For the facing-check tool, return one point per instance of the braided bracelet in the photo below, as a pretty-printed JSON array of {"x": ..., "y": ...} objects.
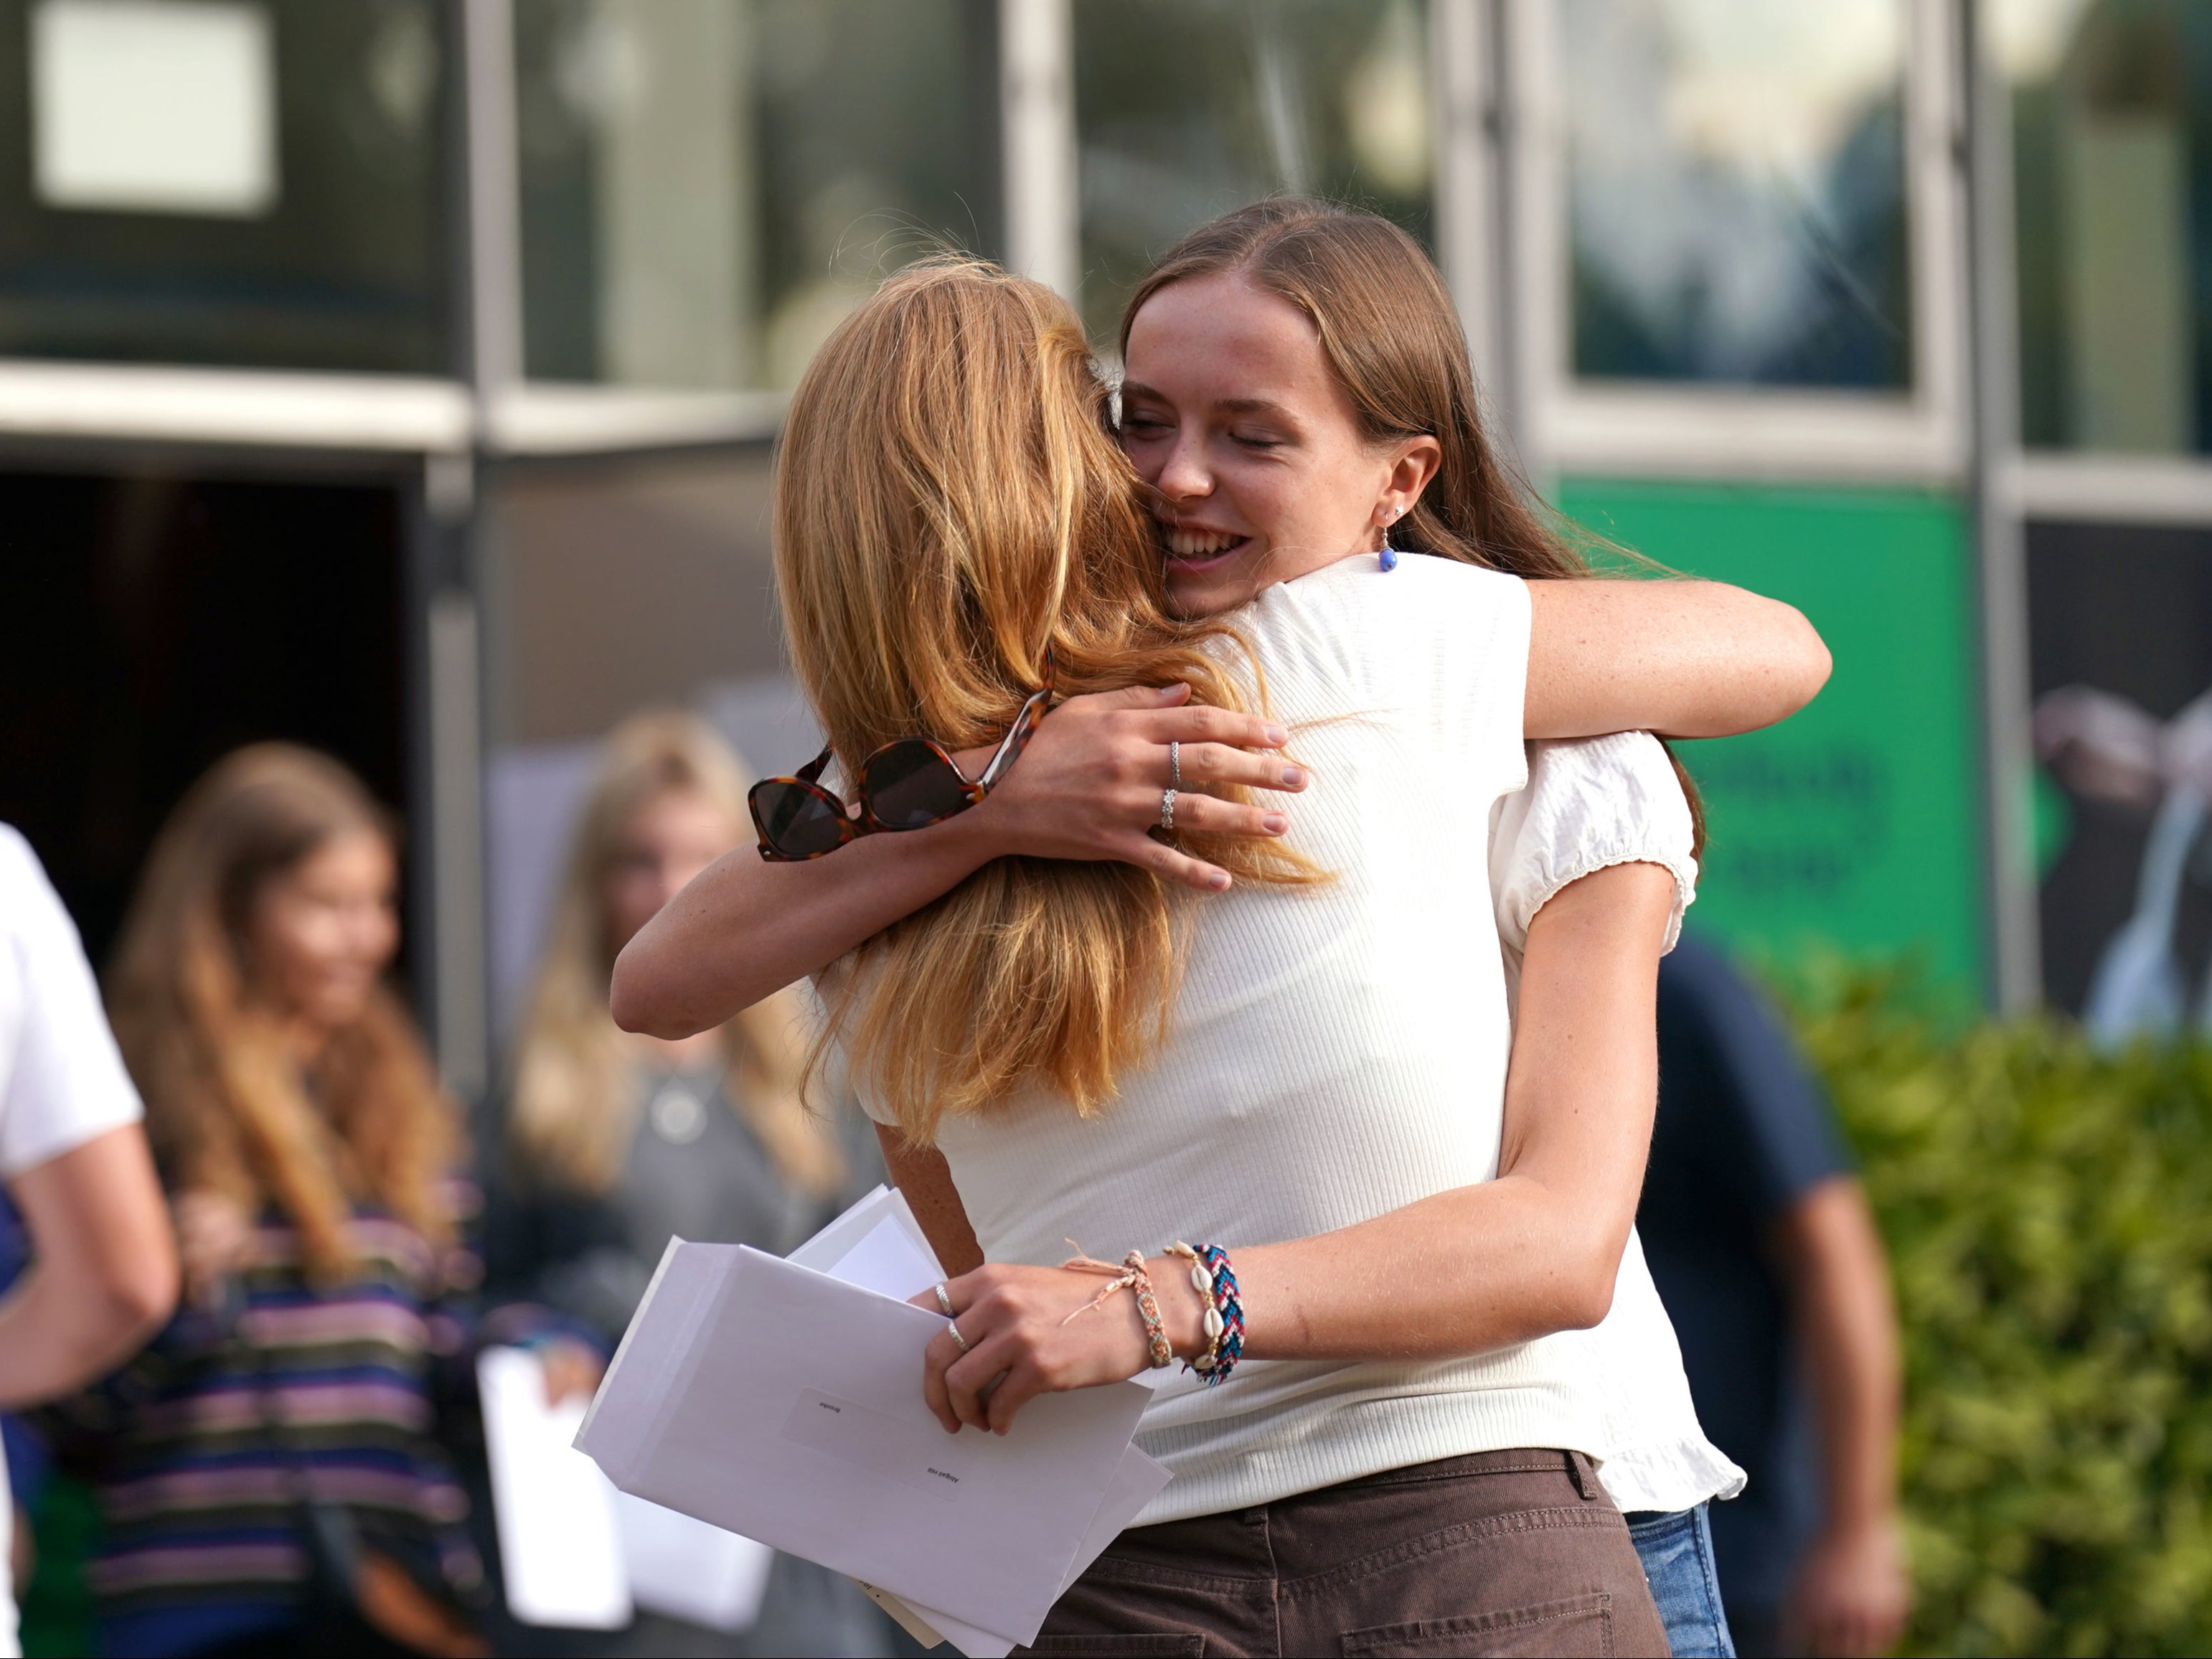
[
  {"x": 1130, "y": 1275},
  {"x": 1212, "y": 1277}
]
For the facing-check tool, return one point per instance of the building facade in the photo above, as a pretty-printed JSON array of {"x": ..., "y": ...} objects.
[{"x": 401, "y": 377}]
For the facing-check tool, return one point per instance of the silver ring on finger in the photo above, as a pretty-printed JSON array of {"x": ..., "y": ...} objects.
[
  {"x": 945, "y": 1299},
  {"x": 1167, "y": 809},
  {"x": 955, "y": 1329},
  {"x": 1175, "y": 764}
]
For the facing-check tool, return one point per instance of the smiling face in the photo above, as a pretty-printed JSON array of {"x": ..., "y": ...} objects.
[
  {"x": 1261, "y": 474},
  {"x": 319, "y": 934}
]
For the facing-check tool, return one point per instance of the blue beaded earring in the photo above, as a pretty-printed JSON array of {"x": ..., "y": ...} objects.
[{"x": 1388, "y": 554}]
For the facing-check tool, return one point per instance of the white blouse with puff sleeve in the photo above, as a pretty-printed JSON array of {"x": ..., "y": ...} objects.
[{"x": 1590, "y": 804}]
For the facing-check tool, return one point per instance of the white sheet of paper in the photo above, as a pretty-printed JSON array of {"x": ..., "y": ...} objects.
[
  {"x": 689, "y": 1570},
  {"x": 1137, "y": 1481},
  {"x": 877, "y": 1244},
  {"x": 776, "y": 1401},
  {"x": 557, "y": 1545}
]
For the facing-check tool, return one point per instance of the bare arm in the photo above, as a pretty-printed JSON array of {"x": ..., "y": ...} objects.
[
  {"x": 1852, "y": 1594},
  {"x": 1533, "y": 1252},
  {"x": 921, "y": 1174},
  {"x": 104, "y": 1276},
  {"x": 1088, "y": 786},
  {"x": 1683, "y": 658}
]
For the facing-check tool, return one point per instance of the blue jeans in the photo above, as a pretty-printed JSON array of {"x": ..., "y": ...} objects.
[{"x": 1677, "y": 1552}]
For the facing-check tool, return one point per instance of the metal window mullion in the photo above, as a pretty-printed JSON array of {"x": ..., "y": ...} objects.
[
  {"x": 1037, "y": 108},
  {"x": 453, "y": 528},
  {"x": 1536, "y": 263},
  {"x": 1469, "y": 240},
  {"x": 2007, "y": 684}
]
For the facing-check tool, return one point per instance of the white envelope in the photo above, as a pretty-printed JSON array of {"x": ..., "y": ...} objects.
[
  {"x": 559, "y": 1551},
  {"x": 775, "y": 1401},
  {"x": 878, "y": 1244},
  {"x": 687, "y": 1569}
]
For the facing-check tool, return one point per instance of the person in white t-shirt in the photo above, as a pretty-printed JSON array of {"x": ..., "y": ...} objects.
[
  {"x": 1332, "y": 1092},
  {"x": 103, "y": 1276}
]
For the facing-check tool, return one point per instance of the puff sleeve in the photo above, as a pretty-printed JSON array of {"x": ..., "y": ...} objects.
[{"x": 1590, "y": 804}]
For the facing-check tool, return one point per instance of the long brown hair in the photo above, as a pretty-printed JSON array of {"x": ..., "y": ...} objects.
[
  {"x": 576, "y": 1103},
  {"x": 1392, "y": 338},
  {"x": 228, "y": 1107},
  {"x": 950, "y": 502}
]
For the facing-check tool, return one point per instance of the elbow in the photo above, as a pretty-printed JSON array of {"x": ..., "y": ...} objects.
[
  {"x": 146, "y": 1294},
  {"x": 1583, "y": 1293},
  {"x": 1587, "y": 1298},
  {"x": 137, "y": 1298},
  {"x": 639, "y": 1005},
  {"x": 1809, "y": 667}
]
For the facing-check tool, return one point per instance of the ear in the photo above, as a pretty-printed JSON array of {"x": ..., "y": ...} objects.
[{"x": 1413, "y": 462}]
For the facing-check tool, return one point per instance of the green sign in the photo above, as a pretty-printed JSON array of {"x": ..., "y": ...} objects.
[{"x": 1855, "y": 824}]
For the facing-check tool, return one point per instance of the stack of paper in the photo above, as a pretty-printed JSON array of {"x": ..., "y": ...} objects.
[
  {"x": 577, "y": 1554},
  {"x": 782, "y": 1400}
]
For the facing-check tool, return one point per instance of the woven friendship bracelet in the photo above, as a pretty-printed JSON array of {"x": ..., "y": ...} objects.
[
  {"x": 1130, "y": 1275},
  {"x": 1215, "y": 1281}
]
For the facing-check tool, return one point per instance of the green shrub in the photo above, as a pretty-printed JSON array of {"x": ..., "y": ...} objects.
[{"x": 2049, "y": 1214}]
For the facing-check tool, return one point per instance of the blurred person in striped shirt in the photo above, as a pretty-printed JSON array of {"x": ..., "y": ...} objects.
[{"x": 268, "y": 1470}]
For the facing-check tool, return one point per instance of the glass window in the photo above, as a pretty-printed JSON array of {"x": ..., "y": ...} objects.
[
  {"x": 2111, "y": 107},
  {"x": 1186, "y": 108},
  {"x": 258, "y": 184},
  {"x": 1737, "y": 190},
  {"x": 709, "y": 187}
]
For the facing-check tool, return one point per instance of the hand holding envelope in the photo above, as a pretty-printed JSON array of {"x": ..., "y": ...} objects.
[{"x": 781, "y": 1400}]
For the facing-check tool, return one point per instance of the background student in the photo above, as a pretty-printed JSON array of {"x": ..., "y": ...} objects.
[
  {"x": 270, "y": 1472},
  {"x": 615, "y": 1143},
  {"x": 102, "y": 1274},
  {"x": 1767, "y": 1259}
]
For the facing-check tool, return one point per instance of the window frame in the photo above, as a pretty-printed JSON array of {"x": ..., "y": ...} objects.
[{"x": 1680, "y": 430}]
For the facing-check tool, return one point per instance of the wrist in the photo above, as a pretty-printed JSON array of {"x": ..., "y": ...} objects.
[
  {"x": 1860, "y": 1521},
  {"x": 1182, "y": 1311},
  {"x": 971, "y": 839}
]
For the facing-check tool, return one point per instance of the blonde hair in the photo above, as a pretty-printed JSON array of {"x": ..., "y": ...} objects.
[
  {"x": 575, "y": 1104},
  {"x": 226, "y": 1106},
  {"x": 950, "y": 502}
]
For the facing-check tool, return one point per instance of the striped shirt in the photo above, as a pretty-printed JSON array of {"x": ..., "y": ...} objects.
[{"x": 216, "y": 1438}]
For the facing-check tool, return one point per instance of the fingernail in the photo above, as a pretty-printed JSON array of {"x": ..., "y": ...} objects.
[
  {"x": 1278, "y": 736},
  {"x": 1294, "y": 777},
  {"x": 1218, "y": 880},
  {"x": 1274, "y": 824}
]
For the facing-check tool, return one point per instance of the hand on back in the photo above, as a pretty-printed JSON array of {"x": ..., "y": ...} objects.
[{"x": 1089, "y": 786}]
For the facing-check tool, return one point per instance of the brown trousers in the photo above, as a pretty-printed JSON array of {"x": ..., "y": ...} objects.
[{"x": 1497, "y": 1552}]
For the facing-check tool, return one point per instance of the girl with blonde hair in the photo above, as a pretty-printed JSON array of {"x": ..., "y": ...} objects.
[
  {"x": 1305, "y": 1069},
  {"x": 614, "y": 1143},
  {"x": 271, "y": 1478}
]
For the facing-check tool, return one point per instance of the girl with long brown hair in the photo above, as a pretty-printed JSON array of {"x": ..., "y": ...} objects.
[
  {"x": 271, "y": 1477},
  {"x": 1311, "y": 1071}
]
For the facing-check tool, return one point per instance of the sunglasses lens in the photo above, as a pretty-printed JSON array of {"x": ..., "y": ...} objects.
[
  {"x": 911, "y": 787},
  {"x": 796, "y": 822}
]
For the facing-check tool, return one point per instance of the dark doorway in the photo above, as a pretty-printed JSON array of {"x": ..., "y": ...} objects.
[{"x": 150, "y": 623}]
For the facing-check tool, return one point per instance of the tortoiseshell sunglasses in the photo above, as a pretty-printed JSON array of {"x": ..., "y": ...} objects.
[{"x": 907, "y": 785}]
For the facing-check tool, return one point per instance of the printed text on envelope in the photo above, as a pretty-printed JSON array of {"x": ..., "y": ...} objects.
[{"x": 920, "y": 1454}]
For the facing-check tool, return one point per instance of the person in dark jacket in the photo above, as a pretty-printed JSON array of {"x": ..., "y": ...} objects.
[{"x": 1766, "y": 1255}]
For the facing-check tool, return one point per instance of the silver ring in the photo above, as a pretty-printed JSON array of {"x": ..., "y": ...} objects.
[
  {"x": 955, "y": 1329},
  {"x": 1175, "y": 764},
  {"x": 1167, "y": 809},
  {"x": 945, "y": 1299}
]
